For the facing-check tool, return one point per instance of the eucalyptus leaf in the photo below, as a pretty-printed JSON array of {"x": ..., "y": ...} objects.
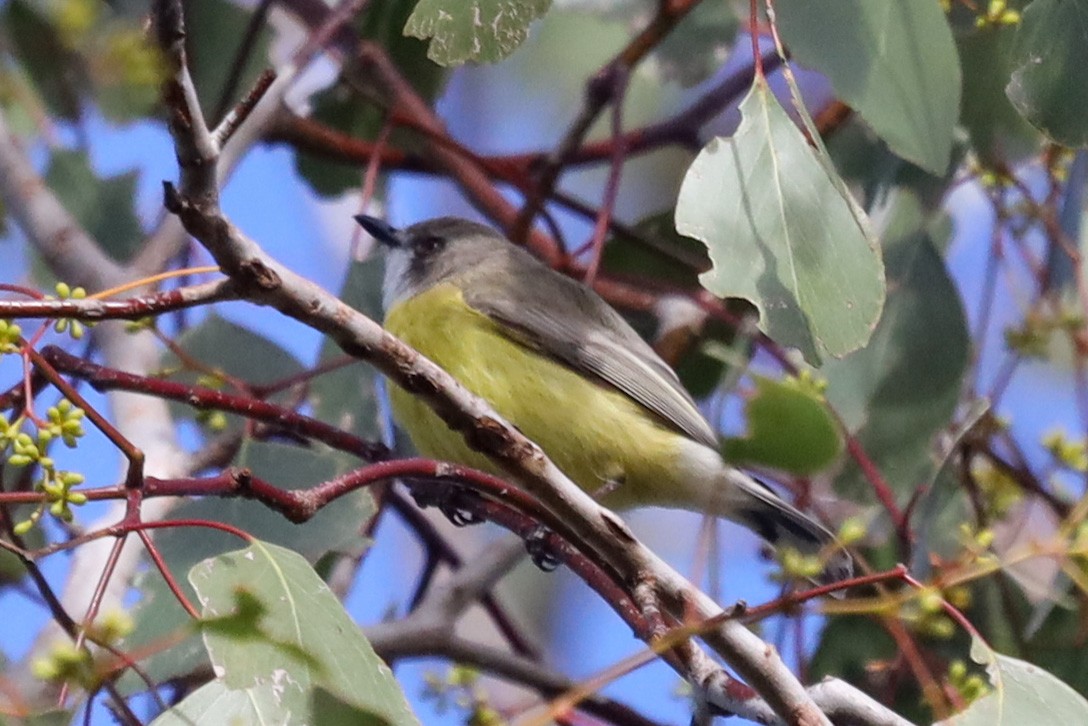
[
  {"x": 782, "y": 234},
  {"x": 1022, "y": 694},
  {"x": 896, "y": 394},
  {"x": 942, "y": 504},
  {"x": 56, "y": 72},
  {"x": 52, "y": 717},
  {"x": 335, "y": 528},
  {"x": 1061, "y": 268},
  {"x": 304, "y": 639},
  {"x": 481, "y": 31},
  {"x": 1049, "y": 646},
  {"x": 341, "y": 107},
  {"x": 223, "y": 350},
  {"x": 999, "y": 134},
  {"x": 1049, "y": 85},
  {"x": 789, "y": 427},
  {"x": 214, "y": 703},
  {"x": 893, "y": 60},
  {"x": 104, "y": 206},
  {"x": 331, "y": 710},
  {"x": 214, "y": 29},
  {"x": 347, "y": 397},
  {"x": 695, "y": 47}
]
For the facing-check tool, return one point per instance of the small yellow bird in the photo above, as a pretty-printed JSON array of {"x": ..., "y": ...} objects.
[{"x": 558, "y": 362}]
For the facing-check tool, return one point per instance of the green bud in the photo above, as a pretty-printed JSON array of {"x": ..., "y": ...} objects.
[{"x": 45, "y": 669}]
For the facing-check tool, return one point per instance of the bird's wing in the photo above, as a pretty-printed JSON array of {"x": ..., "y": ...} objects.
[{"x": 611, "y": 350}]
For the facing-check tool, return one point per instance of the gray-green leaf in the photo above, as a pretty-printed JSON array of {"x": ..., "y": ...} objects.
[
  {"x": 483, "y": 31},
  {"x": 893, "y": 60},
  {"x": 782, "y": 234},
  {"x": 334, "y": 529},
  {"x": 104, "y": 205},
  {"x": 1022, "y": 694},
  {"x": 902, "y": 389},
  {"x": 1050, "y": 83},
  {"x": 301, "y": 640}
]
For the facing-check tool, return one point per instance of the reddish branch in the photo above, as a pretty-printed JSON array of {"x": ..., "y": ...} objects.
[
  {"x": 105, "y": 379},
  {"x": 601, "y": 90},
  {"x": 143, "y": 306}
]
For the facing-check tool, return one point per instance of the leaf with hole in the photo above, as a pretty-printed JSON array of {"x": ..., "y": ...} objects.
[
  {"x": 305, "y": 640},
  {"x": 480, "y": 31},
  {"x": 782, "y": 233}
]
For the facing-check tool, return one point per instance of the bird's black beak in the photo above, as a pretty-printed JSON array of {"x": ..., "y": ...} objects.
[{"x": 381, "y": 230}]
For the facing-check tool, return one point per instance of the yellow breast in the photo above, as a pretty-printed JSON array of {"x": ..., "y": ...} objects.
[{"x": 594, "y": 433}]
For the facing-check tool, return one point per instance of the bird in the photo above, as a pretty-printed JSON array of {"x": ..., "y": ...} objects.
[{"x": 554, "y": 359}]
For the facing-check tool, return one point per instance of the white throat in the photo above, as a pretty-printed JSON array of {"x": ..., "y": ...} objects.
[{"x": 396, "y": 285}]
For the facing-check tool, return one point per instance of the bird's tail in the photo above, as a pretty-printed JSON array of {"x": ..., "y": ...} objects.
[{"x": 753, "y": 504}]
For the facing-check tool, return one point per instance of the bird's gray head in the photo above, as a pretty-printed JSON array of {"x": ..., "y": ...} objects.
[{"x": 428, "y": 253}]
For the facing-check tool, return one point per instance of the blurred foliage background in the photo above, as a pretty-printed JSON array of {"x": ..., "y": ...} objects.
[{"x": 854, "y": 227}]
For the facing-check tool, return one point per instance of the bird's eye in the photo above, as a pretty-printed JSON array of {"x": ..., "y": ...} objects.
[{"x": 429, "y": 244}]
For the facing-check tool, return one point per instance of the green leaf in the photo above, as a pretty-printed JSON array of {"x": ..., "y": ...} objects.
[
  {"x": 789, "y": 428},
  {"x": 1049, "y": 85},
  {"x": 755, "y": 200},
  {"x": 847, "y": 645},
  {"x": 1061, "y": 268},
  {"x": 236, "y": 351},
  {"x": 341, "y": 107},
  {"x": 1022, "y": 694},
  {"x": 226, "y": 349},
  {"x": 334, "y": 528},
  {"x": 720, "y": 351},
  {"x": 214, "y": 703},
  {"x": 694, "y": 49},
  {"x": 128, "y": 70},
  {"x": 298, "y": 610},
  {"x": 331, "y": 710},
  {"x": 214, "y": 29},
  {"x": 892, "y": 60},
  {"x": 53, "y": 717},
  {"x": 12, "y": 569},
  {"x": 662, "y": 255},
  {"x": 943, "y": 504},
  {"x": 669, "y": 256},
  {"x": 858, "y": 649},
  {"x": 103, "y": 206},
  {"x": 338, "y": 108},
  {"x": 902, "y": 389},
  {"x": 872, "y": 171},
  {"x": 56, "y": 72},
  {"x": 999, "y": 134},
  {"x": 481, "y": 31},
  {"x": 1049, "y": 648},
  {"x": 347, "y": 397}
]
